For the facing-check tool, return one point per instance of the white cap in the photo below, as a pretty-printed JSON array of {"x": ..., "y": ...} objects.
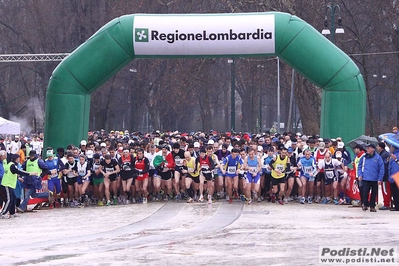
[
  {"x": 341, "y": 145},
  {"x": 211, "y": 142},
  {"x": 320, "y": 139},
  {"x": 83, "y": 142},
  {"x": 89, "y": 154},
  {"x": 103, "y": 144},
  {"x": 260, "y": 148},
  {"x": 196, "y": 144},
  {"x": 338, "y": 154}
]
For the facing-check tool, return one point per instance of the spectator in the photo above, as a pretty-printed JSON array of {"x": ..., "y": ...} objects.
[
  {"x": 371, "y": 173},
  {"x": 386, "y": 188}
]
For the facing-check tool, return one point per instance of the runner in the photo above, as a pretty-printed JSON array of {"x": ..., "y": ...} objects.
[
  {"x": 230, "y": 168},
  {"x": 83, "y": 179},
  {"x": 142, "y": 167},
  {"x": 319, "y": 156},
  {"x": 308, "y": 171},
  {"x": 192, "y": 175},
  {"x": 150, "y": 155},
  {"x": 267, "y": 170},
  {"x": 221, "y": 154},
  {"x": 206, "y": 166},
  {"x": 330, "y": 167},
  {"x": 242, "y": 176},
  {"x": 253, "y": 166},
  {"x": 163, "y": 175},
  {"x": 55, "y": 166},
  {"x": 109, "y": 169},
  {"x": 126, "y": 173},
  {"x": 209, "y": 152},
  {"x": 292, "y": 176},
  {"x": 279, "y": 164},
  {"x": 178, "y": 156},
  {"x": 98, "y": 180},
  {"x": 342, "y": 179}
]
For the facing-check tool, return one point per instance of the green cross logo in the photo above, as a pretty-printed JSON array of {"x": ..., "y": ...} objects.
[{"x": 141, "y": 35}]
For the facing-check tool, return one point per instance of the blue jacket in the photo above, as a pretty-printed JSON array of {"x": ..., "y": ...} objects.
[
  {"x": 393, "y": 167},
  {"x": 1, "y": 171},
  {"x": 371, "y": 167}
]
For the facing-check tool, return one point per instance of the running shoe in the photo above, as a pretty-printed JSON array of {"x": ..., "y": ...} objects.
[
  {"x": 280, "y": 202},
  {"x": 325, "y": 201},
  {"x": 341, "y": 202},
  {"x": 201, "y": 198},
  {"x": 127, "y": 202},
  {"x": 302, "y": 201},
  {"x": 230, "y": 201},
  {"x": 249, "y": 201},
  {"x": 259, "y": 199},
  {"x": 20, "y": 210},
  {"x": 364, "y": 208},
  {"x": 227, "y": 198},
  {"x": 100, "y": 203},
  {"x": 371, "y": 210},
  {"x": 285, "y": 201},
  {"x": 317, "y": 200},
  {"x": 209, "y": 199},
  {"x": 273, "y": 198},
  {"x": 76, "y": 203},
  {"x": 336, "y": 201},
  {"x": 133, "y": 200},
  {"x": 51, "y": 206},
  {"x": 115, "y": 201},
  {"x": 159, "y": 196},
  {"x": 57, "y": 204},
  {"x": 145, "y": 200},
  {"x": 178, "y": 197},
  {"x": 108, "y": 203},
  {"x": 5, "y": 216},
  {"x": 310, "y": 200},
  {"x": 242, "y": 198},
  {"x": 190, "y": 200}
]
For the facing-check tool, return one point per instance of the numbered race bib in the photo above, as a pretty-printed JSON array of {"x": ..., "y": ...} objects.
[
  {"x": 280, "y": 167},
  {"x": 179, "y": 162},
  {"x": 82, "y": 172},
  {"x": 252, "y": 169},
  {"x": 54, "y": 173},
  {"x": 231, "y": 170},
  {"x": 307, "y": 169},
  {"x": 329, "y": 174},
  {"x": 109, "y": 170}
]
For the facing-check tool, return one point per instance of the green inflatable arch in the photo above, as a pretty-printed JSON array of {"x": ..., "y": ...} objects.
[{"x": 211, "y": 35}]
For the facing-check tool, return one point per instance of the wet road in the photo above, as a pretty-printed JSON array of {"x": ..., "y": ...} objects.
[{"x": 199, "y": 234}]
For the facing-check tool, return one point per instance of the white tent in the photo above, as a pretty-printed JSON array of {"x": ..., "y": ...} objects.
[{"x": 9, "y": 127}]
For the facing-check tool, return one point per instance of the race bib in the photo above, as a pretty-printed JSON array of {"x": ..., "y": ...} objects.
[
  {"x": 280, "y": 167},
  {"x": 307, "y": 169},
  {"x": 231, "y": 169},
  {"x": 179, "y": 161},
  {"x": 109, "y": 170},
  {"x": 252, "y": 169},
  {"x": 329, "y": 174},
  {"x": 82, "y": 172}
]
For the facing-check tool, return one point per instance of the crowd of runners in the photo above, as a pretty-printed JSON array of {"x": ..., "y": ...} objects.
[{"x": 119, "y": 168}]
